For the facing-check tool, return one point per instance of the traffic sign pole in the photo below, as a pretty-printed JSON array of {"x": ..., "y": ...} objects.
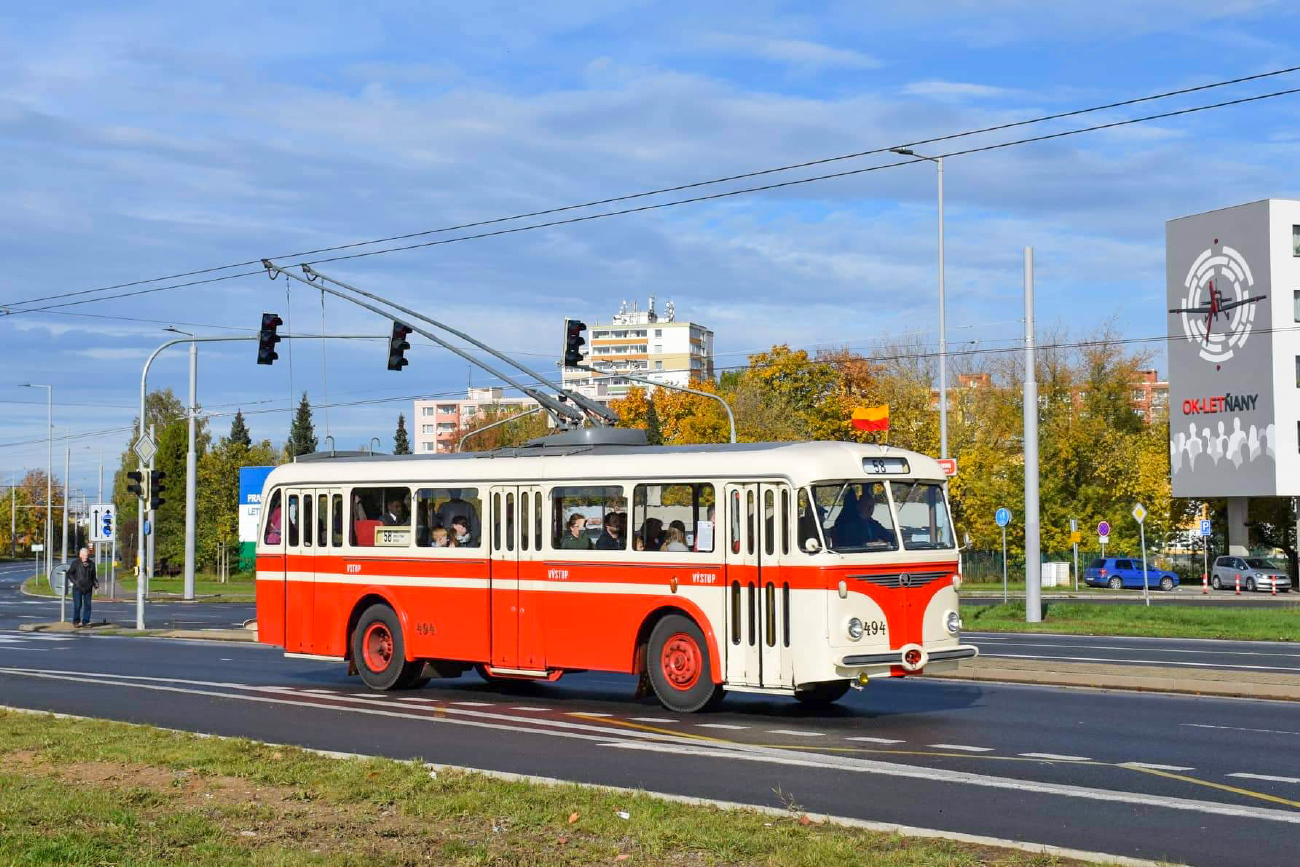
[
  {"x": 1004, "y": 565},
  {"x": 1140, "y": 515},
  {"x": 1074, "y": 543}
]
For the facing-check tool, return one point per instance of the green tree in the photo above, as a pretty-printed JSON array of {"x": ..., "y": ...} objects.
[
  {"x": 401, "y": 443},
  {"x": 302, "y": 435},
  {"x": 653, "y": 435},
  {"x": 239, "y": 430},
  {"x": 217, "y": 499}
]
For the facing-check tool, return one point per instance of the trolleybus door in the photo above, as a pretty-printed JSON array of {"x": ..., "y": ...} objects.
[
  {"x": 532, "y": 577},
  {"x": 298, "y": 527},
  {"x": 774, "y": 600},
  {"x": 744, "y": 655},
  {"x": 503, "y": 508}
]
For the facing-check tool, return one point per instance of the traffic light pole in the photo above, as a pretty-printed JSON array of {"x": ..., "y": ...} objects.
[
  {"x": 144, "y": 380},
  {"x": 191, "y": 475},
  {"x": 559, "y": 411}
]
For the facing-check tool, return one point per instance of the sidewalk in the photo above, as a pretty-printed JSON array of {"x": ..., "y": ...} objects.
[{"x": 1150, "y": 678}]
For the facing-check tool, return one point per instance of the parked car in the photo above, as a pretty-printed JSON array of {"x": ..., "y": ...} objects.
[
  {"x": 1256, "y": 573},
  {"x": 1120, "y": 573}
]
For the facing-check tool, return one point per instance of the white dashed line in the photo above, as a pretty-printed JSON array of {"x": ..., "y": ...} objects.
[
  {"x": 1239, "y": 729},
  {"x": 961, "y": 747},
  {"x": 796, "y": 734},
  {"x": 322, "y": 691},
  {"x": 1267, "y": 777},
  {"x": 473, "y": 703},
  {"x": 423, "y": 700},
  {"x": 586, "y": 713},
  {"x": 719, "y": 726},
  {"x": 653, "y": 719},
  {"x": 875, "y": 740},
  {"x": 534, "y": 709},
  {"x": 1055, "y": 757},
  {"x": 1152, "y": 767}
]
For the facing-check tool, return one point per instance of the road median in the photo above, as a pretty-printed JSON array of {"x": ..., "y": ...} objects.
[
  {"x": 102, "y": 628},
  {"x": 1145, "y": 678}
]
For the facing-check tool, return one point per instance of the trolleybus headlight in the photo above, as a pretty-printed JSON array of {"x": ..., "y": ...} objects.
[
  {"x": 855, "y": 628},
  {"x": 953, "y": 622}
]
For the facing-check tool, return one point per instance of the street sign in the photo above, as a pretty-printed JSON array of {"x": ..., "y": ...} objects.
[
  {"x": 1074, "y": 525},
  {"x": 145, "y": 448},
  {"x": 103, "y": 522},
  {"x": 1104, "y": 540},
  {"x": 1076, "y": 537},
  {"x": 1103, "y": 530},
  {"x": 1002, "y": 516},
  {"x": 38, "y": 548},
  {"x": 948, "y": 465},
  {"x": 1205, "y": 528},
  {"x": 1139, "y": 513}
]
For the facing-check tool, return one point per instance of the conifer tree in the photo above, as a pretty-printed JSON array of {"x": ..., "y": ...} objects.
[
  {"x": 239, "y": 431},
  {"x": 302, "y": 434},
  {"x": 401, "y": 442},
  {"x": 653, "y": 434}
]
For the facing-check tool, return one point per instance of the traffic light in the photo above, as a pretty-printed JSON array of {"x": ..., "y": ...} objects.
[
  {"x": 156, "y": 489},
  {"x": 397, "y": 346},
  {"x": 267, "y": 338},
  {"x": 135, "y": 483},
  {"x": 573, "y": 342}
]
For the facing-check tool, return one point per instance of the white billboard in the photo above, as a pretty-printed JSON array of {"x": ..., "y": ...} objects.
[{"x": 1232, "y": 284}]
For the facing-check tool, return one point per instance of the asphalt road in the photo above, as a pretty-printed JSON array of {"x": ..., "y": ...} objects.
[{"x": 1193, "y": 780}]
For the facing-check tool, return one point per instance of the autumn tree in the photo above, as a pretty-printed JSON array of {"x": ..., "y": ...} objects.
[
  {"x": 217, "y": 497},
  {"x": 511, "y": 434}
]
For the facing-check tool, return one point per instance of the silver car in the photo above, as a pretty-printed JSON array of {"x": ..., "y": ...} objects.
[{"x": 1256, "y": 574}]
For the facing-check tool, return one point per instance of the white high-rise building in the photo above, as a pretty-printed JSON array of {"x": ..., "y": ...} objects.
[
  {"x": 438, "y": 423},
  {"x": 644, "y": 343}
]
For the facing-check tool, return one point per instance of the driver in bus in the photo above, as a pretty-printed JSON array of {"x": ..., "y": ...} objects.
[{"x": 857, "y": 526}]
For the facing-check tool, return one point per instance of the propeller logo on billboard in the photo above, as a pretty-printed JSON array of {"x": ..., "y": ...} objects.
[{"x": 1218, "y": 310}]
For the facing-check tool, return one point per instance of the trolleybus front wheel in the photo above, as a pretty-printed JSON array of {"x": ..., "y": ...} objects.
[
  {"x": 678, "y": 662},
  {"x": 380, "y": 652}
]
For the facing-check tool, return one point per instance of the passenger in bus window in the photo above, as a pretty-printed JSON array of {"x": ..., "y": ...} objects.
[
  {"x": 575, "y": 539},
  {"x": 653, "y": 534},
  {"x": 273, "y": 521},
  {"x": 676, "y": 538},
  {"x": 457, "y": 505},
  {"x": 461, "y": 535},
  {"x": 442, "y": 539},
  {"x": 611, "y": 539},
  {"x": 396, "y": 514}
]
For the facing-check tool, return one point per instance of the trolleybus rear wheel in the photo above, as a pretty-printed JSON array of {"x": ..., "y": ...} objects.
[
  {"x": 380, "y": 652},
  {"x": 678, "y": 662},
  {"x": 823, "y": 693}
]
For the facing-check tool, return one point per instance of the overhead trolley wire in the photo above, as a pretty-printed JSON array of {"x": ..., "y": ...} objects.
[{"x": 660, "y": 191}]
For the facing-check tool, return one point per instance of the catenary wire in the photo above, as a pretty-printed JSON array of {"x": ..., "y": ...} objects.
[{"x": 680, "y": 187}]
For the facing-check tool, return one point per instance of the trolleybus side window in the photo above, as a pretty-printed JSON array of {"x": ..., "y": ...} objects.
[
  {"x": 855, "y": 516},
  {"x": 448, "y": 517},
  {"x": 337, "y": 532},
  {"x": 381, "y": 516},
  {"x": 293, "y": 520},
  {"x": 589, "y": 517},
  {"x": 676, "y": 517},
  {"x": 809, "y": 520},
  {"x": 922, "y": 515},
  {"x": 322, "y": 520},
  {"x": 273, "y": 519},
  {"x": 306, "y": 520}
]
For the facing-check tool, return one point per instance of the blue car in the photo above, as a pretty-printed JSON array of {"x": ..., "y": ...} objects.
[{"x": 1119, "y": 573}]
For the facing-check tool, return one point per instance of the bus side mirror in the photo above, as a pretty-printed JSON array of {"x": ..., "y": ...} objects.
[{"x": 812, "y": 546}]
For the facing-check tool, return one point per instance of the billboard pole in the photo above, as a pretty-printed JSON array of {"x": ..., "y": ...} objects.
[{"x": 1033, "y": 575}]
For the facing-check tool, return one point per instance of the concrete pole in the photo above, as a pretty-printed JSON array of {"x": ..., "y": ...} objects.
[
  {"x": 99, "y": 560},
  {"x": 191, "y": 479},
  {"x": 153, "y": 519},
  {"x": 943, "y": 332},
  {"x": 1238, "y": 536},
  {"x": 49, "y": 482},
  {"x": 1033, "y": 566},
  {"x": 67, "y": 469},
  {"x": 13, "y": 519}
]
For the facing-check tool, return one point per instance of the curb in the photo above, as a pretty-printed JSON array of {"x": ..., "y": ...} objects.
[{"x": 240, "y": 635}]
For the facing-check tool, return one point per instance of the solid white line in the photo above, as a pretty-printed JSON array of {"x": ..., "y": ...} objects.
[
  {"x": 1238, "y": 729},
  {"x": 844, "y": 821},
  {"x": 414, "y": 698},
  {"x": 1267, "y": 777},
  {"x": 719, "y": 726},
  {"x": 1155, "y": 767},
  {"x": 1162, "y": 662},
  {"x": 1055, "y": 757},
  {"x": 797, "y": 734},
  {"x": 875, "y": 740},
  {"x": 961, "y": 747},
  {"x": 1216, "y": 652}
]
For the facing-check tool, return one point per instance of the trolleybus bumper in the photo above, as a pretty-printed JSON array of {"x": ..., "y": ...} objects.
[{"x": 899, "y": 657}]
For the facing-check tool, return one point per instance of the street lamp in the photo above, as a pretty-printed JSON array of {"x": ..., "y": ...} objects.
[
  {"x": 49, "y": 475},
  {"x": 943, "y": 336},
  {"x": 191, "y": 467}
]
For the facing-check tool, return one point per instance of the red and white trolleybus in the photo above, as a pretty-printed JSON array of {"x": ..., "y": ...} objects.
[{"x": 784, "y": 568}]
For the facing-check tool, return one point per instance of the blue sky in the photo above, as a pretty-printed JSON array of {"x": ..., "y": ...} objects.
[{"x": 138, "y": 140}]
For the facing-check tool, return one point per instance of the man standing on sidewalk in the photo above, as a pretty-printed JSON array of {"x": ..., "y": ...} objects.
[{"x": 82, "y": 577}]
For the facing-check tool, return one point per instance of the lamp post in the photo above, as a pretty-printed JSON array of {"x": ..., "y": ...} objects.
[
  {"x": 943, "y": 331},
  {"x": 191, "y": 465},
  {"x": 49, "y": 475}
]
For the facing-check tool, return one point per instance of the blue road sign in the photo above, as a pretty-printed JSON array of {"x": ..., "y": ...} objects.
[
  {"x": 1003, "y": 517},
  {"x": 1205, "y": 528}
]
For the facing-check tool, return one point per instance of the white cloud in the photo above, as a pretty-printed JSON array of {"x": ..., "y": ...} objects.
[
  {"x": 955, "y": 89},
  {"x": 795, "y": 52}
]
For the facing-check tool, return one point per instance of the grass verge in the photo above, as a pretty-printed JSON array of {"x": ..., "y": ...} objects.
[
  {"x": 206, "y": 589},
  {"x": 101, "y": 792},
  {"x": 1156, "y": 620}
]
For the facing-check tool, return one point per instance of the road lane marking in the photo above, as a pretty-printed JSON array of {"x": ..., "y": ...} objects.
[
  {"x": 796, "y": 734},
  {"x": 1055, "y": 757},
  {"x": 961, "y": 747},
  {"x": 587, "y": 713},
  {"x": 1012, "y": 643},
  {"x": 719, "y": 726},
  {"x": 416, "y": 698},
  {"x": 530, "y": 708},
  {"x": 875, "y": 740},
  {"x": 652, "y": 719},
  {"x": 1239, "y": 729},
  {"x": 1139, "y": 662},
  {"x": 1149, "y": 766},
  {"x": 473, "y": 703},
  {"x": 1267, "y": 777}
]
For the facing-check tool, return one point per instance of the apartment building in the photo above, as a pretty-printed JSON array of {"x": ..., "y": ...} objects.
[{"x": 438, "y": 423}]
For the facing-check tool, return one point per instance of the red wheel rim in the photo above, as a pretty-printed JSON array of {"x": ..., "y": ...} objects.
[
  {"x": 681, "y": 661},
  {"x": 377, "y": 647}
]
